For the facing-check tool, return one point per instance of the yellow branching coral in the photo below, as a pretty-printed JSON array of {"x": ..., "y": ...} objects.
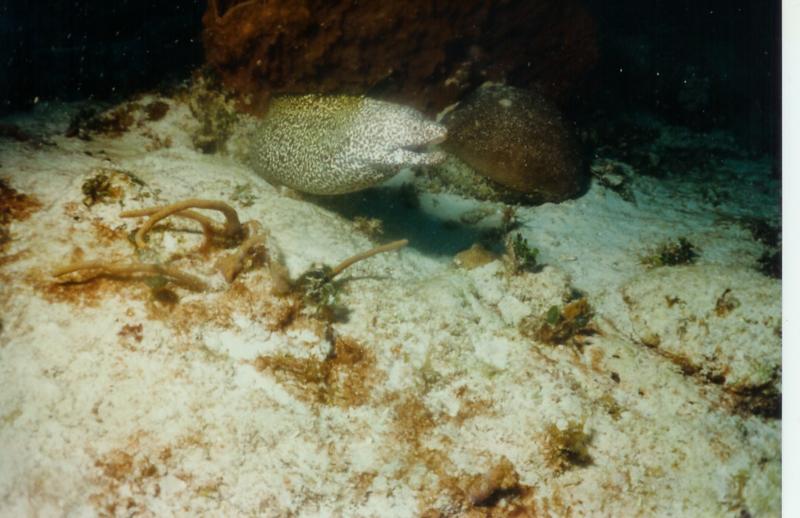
[
  {"x": 93, "y": 269},
  {"x": 249, "y": 251},
  {"x": 249, "y": 238},
  {"x": 232, "y": 232}
]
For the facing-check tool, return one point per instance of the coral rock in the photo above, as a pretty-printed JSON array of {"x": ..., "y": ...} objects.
[
  {"x": 416, "y": 52},
  {"x": 518, "y": 139}
]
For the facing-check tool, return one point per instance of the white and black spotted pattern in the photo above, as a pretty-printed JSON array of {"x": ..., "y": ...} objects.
[{"x": 337, "y": 144}]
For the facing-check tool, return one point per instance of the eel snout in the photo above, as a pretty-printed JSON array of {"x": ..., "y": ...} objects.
[{"x": 423, "y": 143}]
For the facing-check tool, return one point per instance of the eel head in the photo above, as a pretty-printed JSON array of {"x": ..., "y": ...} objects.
[{"x": 400, "y": 136}]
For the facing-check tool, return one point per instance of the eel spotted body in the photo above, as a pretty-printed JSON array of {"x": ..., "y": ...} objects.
[{"x": 324, "y": 144}]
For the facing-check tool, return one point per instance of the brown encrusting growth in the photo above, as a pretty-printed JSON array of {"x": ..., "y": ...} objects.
[
  {"x": 494, "y": 492},
  {"x": 344, "y": 378},
  {"x": 126, "y": 477},
  {"x": 156, "y": 110},
  {"x": 87, "y": 122},
  {"x": 107, "y": 184},
  {"x": 501, "y": 480},
  {"x": 133, "y": 331},
  {"x": 726, "y": 303},
  {"x": 567, "y": 448},
  {"x": 14, "y": 206},
  {"x": 571, "y": 325},
  {"x": 426, "y": 54},
  {"x": 14, "y": 132},
  {"x": 763, "y": 400}
]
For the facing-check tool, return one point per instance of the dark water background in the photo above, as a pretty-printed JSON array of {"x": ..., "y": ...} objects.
[{"x": 700, "y": 63}]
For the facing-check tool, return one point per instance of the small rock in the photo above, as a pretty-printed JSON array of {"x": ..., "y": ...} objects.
[{"x": 473, "y": 257}]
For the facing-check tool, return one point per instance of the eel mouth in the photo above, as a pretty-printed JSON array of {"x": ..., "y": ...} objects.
[
  {"x": 425, "y": 146},
  {"x": 419, "y": 149},
  {"x": 424, "y": 154}
]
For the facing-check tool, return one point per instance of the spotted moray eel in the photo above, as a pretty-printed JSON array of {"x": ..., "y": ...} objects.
[{"x": 334, "y": 144}]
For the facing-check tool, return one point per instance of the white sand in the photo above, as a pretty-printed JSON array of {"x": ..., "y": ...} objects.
[{"x": 113, "y": 403}]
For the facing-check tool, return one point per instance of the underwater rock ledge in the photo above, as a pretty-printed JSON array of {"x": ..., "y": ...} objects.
[{"x": 419, "y": 53}]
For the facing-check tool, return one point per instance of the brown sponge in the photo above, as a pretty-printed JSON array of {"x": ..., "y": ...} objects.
[
  {"x": 416, "y": 52},
  {"x": 518, "y": 139}
]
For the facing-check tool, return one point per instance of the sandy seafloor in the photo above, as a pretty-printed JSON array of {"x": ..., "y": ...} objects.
[{"x": 230, "y": 403}]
